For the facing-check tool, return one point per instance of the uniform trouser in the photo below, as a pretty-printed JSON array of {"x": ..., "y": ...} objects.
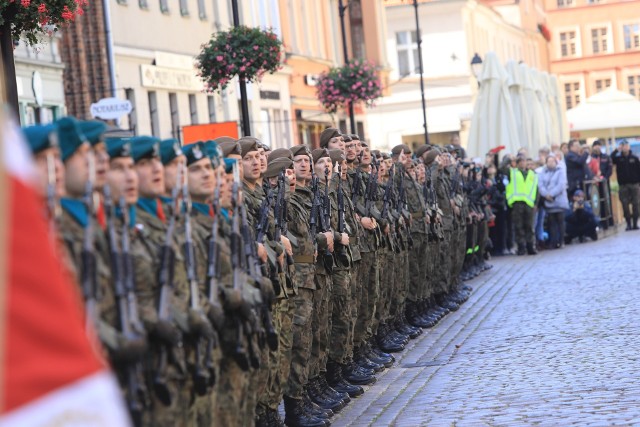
[
  {"x": 320, "y": 325},
  {"x": 259, "y": 383},
  {"x": 233, "y": 385},
  {"x": 432, "y": 254},
  {"x": 460, "y": 250},
  {"x": 523, "y": 224},
  {"x": 341, "y": 324},
  {"x": 302, "y": 335},
  {"x": 400, "y": 277},
  {"x": 445, "y": 260},
  {"x": 382, "y": 307},
  {"x": 355, "y": 289},
  {"x": 630, "y": 195},
  {"x": 280, "y": 360},
  {"x": 370, "y": 282},
  {"x": 201, "y": 410},
  {"x": 417, "y": 268}
]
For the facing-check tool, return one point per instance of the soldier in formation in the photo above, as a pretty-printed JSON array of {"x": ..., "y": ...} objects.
[{"x": 221, "y": 278}]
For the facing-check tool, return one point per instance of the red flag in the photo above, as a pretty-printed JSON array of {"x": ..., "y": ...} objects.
[{"x": 49, "y": 372}]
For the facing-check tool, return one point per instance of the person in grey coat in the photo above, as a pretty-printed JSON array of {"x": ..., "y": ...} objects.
[{"x": 552, "y": 187}]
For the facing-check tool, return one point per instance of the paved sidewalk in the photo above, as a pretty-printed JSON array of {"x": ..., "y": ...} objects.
[{"x": 550, "y": 340}]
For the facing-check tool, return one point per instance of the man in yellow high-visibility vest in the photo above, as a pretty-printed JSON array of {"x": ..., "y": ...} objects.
[{"x": 522, "y": 192}]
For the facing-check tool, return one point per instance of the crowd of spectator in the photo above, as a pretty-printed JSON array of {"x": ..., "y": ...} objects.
[{"x": 543, "y": 201}]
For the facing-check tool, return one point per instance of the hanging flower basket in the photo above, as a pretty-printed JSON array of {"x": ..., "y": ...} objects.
[
  {"x": 356, "y": 81},
  {"x": 544, "y": 30},
  {"x": 250, "y": 52},
  {"x": 33, "y": 18}
]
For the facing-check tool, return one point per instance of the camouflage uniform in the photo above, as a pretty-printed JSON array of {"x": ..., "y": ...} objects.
[
  {"x": 418, "y": 256},
  {"x": 151, "y": 233},
  {"x": 443, "y": 191}
]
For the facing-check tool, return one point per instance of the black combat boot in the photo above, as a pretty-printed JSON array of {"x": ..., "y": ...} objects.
[
  {"x": 335, "y": 380},
  {"x": 331, "y": 392},
  {"x": 635, "y": 223},
  {"x": 297, "y": 416},
  {"x": 447, "y": 303},
  {"x": 531, "y": 249},
  {"x": 356, "y": 375},
  {"x": 315, "y": 410},
  {"x": 377, "y": 355},
  {"x": 411, "y": 331},
  {"x": 317, "y": 397},
  {"x": 629, "y": 227},
  {"x": 387, "y": 343},
  {"x": 362, "y": 360},
  {"x": 414, "y": 320}
]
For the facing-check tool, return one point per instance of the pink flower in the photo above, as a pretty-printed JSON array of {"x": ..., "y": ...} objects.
[
  {"x": 26, "y": 3},
  {"x": 219, "y": 58},
  {"x": 256, "y": 47},
  {"x": 243, "y": 69},
  {"x": 42, "y": 8}
]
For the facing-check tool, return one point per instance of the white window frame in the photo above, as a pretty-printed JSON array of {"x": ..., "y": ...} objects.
[
  {"x": 602, "y": 75},
  {"x": 414, "y": 69},
  {"x": 624, "y": 24},
  {"x": 578, "y": 39},
  {"x": 598, "y": 26},
  {"x": 572, "y": 78}
]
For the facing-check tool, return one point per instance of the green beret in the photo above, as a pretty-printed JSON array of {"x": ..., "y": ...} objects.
[
  {"x": 277, "y": 165},
  {"x": 298, "y": 150},
  {"x": 194, "y": 152},
  {"x": 385, "y": 155},
  {"x": 40, "y": 137},
  {"x": 336, "y": 155},
  {"x": 400, "y": 148},
  {"x": 347, "y": 137},
  {"x": 319, "y": 153},
  {"x": 228, "y": 164},
  {"x": 70, "y": 137},
  {"x": 212, "y": 151},
  {"x": 118, "y": 147},
  {"x": 248, "y": 144},
  {"x": 169, "y": 150},
  {"x": 116, "y": 132},
  {"x": 355, "y": 137},
  {"x": 422, "y": 149},
  {"x": 144, "y": 147},
  {"x": 93, "y": 130},
  {"x": 326, "y": 136},
  {"x": 279, "y": 152},
  {"x": 229, "y": 147},
  {"x": 376, "y": 153},
  {"x": 363, "y": 144}
]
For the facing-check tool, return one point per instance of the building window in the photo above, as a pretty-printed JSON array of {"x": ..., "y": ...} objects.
[
  {"x": 175, "y": 116},
  {"x": 211, "y": 101},
  {"x": 631, "y": 36},
  {"x": 407, "y": 47},
  {"x": 133, "y": 115},
  {"x": 184, "y": 8},
  {"x": 202, "y": 11},
  {"x": 602, "y": 84},
  {"x": 572, "y": 94},
  {"x": 599, "y": 40},
  {"x": 593, "y": 1},
  {"x": 193, "y": 109},
  {"x": 153, "y": 114},
  {"x": 143, "y": 4},
  {"x": 565, "y": 3},
  {"x": 634, "y": 85},
  {"x": 164, "y": 6},
  {"x": 568, "y": 43}
]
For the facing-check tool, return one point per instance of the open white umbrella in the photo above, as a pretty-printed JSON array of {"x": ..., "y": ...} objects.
[
  {"x": 607, "y": 113},
  {"x": 493, "y": 122}
]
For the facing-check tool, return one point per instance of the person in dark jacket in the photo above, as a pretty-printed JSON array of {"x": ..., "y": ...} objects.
[
  {"x": 628, "y": 171},
  {"x": 604, "y": 187},
  {"x": 580, "y": 220},
  {"x": 577, "y": 170}
]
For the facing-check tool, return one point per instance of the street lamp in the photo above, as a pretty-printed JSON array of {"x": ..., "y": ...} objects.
[
  {"x": 342, "y": 8},
  {"x": 476, "y": 66}
]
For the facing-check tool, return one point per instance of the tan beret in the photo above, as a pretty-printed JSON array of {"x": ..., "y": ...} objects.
[
  {"x": 336, "y": 155},
  {"x": 400, "y": 148},
  {"x": 279, "y": 152},
  {"x": 326, "y": 136},
  {"x": 276, "y": 166},
  {"x": 229, "y": 147},
  {"x": 248, "y": 144},
  {"x": 298, "y": 150},
  {"x": 319, "y": 153},
  {"x": 422, "y": 149}
]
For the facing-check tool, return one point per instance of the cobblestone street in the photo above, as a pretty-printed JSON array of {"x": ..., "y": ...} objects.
[{"x": 550, "y": 340}]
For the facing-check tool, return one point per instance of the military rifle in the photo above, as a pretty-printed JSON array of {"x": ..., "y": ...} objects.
[
  {"x": 165, "y": 282},
  {"x": 318, "y": 219},
  {"x": 89, "y": 273},
  {"x": 342, "y": 251},
  {"x": 201, "y": 374},
  {"x": 280, "y": 211},
  {"x": 130, "y": 335}
]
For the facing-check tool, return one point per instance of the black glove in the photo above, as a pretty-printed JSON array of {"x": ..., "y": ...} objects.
[{"x": 166, "y": 331}]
